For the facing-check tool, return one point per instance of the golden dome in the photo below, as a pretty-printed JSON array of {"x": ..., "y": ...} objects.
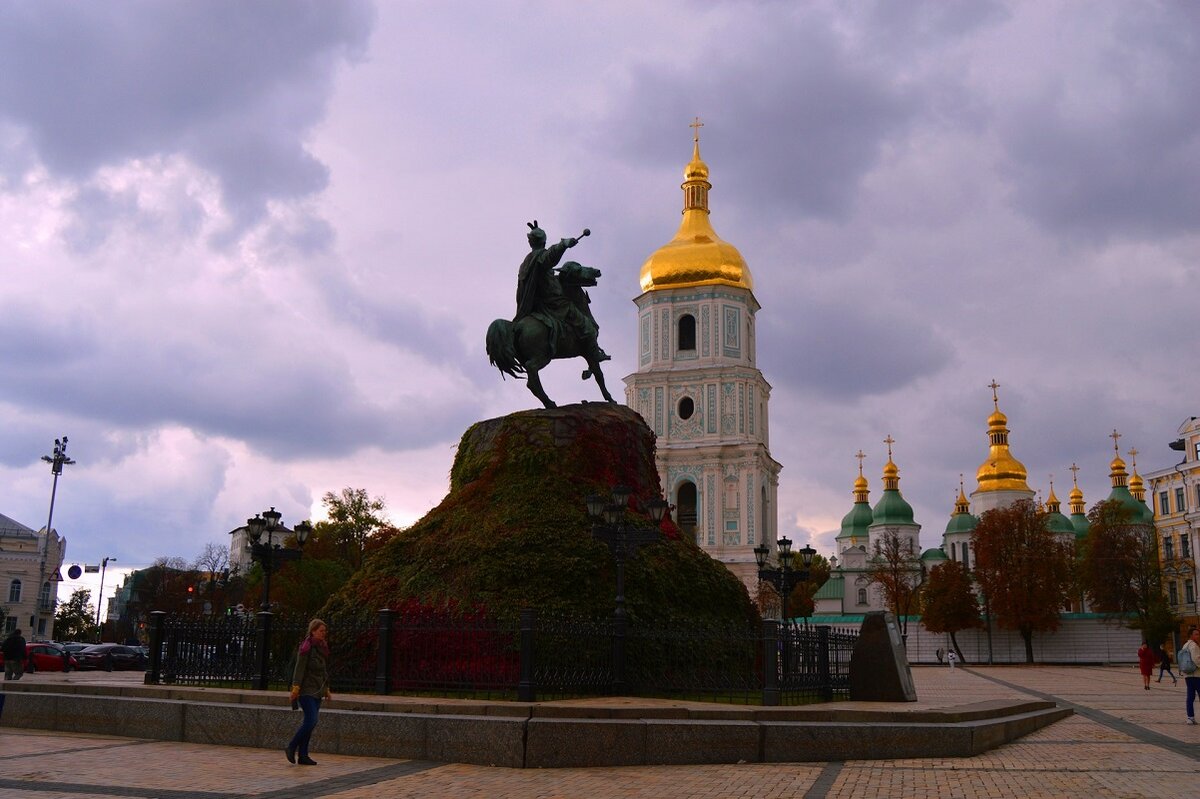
[
  {"x": 1001, "y": 471},
  {"x": 696, "y": 256}
]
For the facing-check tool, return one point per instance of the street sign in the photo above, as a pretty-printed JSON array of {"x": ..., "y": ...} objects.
[{"x": 91, "y": 569}]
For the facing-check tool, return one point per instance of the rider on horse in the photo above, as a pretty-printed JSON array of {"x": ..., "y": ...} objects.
[{"x": 540, "y": 295}]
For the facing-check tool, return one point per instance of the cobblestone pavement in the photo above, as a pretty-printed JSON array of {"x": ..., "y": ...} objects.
[{"x": 1121, "y": 742}]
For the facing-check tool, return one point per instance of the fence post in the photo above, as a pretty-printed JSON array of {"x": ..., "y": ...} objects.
[
  {"x": 770, "y": 657},
  {"x": 263, "y": 677},
  {"x": 383, "y": 654},
  {"x": 157, "y": 622},
  {"x": 526, "y": 690},
  {"x": 823, "y": 673}
]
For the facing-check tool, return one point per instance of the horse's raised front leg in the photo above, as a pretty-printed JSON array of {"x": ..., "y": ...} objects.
[{"x": 532, "y": 367}]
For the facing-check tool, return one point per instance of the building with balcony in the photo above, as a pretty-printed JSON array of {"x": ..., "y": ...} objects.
[{"x": 1174, "y": 496}]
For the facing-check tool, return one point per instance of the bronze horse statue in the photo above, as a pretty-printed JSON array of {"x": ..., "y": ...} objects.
[{"x": 527, "y": 345}]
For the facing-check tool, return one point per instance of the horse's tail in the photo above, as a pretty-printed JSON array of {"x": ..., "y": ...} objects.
[{"x": 501, "y": 348}]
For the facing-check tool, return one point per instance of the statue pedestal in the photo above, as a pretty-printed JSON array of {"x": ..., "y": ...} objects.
[{"x": 879, "y": 669}]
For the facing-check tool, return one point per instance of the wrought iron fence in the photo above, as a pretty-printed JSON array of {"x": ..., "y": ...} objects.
[{"x": 469, "y": 654}]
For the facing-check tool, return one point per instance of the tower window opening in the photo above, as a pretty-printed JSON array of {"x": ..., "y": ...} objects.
[
  {"x": 685, "y": 501},
  {"x": 687, "y": 407},
  {"x": 687, "y": 332}
]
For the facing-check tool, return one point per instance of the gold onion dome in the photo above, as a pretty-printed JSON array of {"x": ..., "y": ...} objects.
[
  {"x": 856, "y": 522},
  {"x": 696, "y": 256},
  {"x": 1001, "y": 471}
]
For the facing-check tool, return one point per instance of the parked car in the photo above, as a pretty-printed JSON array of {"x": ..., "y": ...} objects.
[
  {"x": 46, "y": 656},
  {"x": 110, "y": 656}
]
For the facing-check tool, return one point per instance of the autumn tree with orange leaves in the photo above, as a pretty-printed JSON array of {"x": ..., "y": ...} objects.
[{"x": 1023, "y": 569}]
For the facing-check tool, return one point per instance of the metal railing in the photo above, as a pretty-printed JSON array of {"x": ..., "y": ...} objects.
[{"x": 468, "y": 654}]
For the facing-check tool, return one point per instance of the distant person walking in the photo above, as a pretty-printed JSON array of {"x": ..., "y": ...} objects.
[
  {"x": 310, "y": 684},
  {"x": 951, "y": 658},
  {"x": 1190, "y": 676},
  {"x": 1146, "y": 661},
  {"x": 941, "y": 654},
  {"x": 1164, "y": 664},
  {"x": 14, "y": 655}
]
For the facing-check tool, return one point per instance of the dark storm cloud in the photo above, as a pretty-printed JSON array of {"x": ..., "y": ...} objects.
[
  {"x": 795, "y": 115},
  {"x": 841, "y": 351},
  {"x": 1111, "y": 144},
  {"x": 288, "y": 402},
  {"x": 233, "y": 86}
]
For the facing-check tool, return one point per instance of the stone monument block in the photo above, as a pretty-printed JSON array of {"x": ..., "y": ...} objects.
[{"x": 878, "y": 665}]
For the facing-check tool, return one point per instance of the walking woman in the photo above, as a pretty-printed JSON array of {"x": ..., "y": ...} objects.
[
  {"x": 310, "y": 684},
  {"x": 1146, "y": 661},
  {"x": 1164, "y": 664}
]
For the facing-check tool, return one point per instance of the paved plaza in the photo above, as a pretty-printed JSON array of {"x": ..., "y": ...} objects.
[{"x": 1121, "y": 742}]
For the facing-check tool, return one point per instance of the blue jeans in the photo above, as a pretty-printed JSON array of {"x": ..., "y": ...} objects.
[
  {"x": 311, "y": 706},
  {"x": 1193, "y": 690}
]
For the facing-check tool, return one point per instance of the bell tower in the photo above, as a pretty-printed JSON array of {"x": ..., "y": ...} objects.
[{"x": 699, "y": 388}]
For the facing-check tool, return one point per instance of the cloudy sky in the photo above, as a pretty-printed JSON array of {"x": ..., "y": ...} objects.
[{"x": 249, "y": 250}]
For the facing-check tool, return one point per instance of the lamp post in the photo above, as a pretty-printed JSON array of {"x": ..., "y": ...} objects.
[
  {"x": 785, "y": 578},
  {"x": 57, "y": 461},
  {"x": 271, "y": 556},
  {"x": 99, "y": 599},
  {"x": 623, "y": 539}
]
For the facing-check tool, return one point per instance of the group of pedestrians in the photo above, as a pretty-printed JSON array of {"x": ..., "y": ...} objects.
[
  {"x": 1189, "y": 658},
  {"x": 1148, "y": 658}
]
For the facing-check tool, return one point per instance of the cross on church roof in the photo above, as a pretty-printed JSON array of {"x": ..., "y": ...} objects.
[
  {"x": 860, "y": 455},
  {"x": 889, "y": 441},
  {"x": 1075, "y": 474},
  {"x": 695, "y": 126},
  {"x": 1114, "y": 435},
  {"x": 1133, "y": 454},
  {"x": 995, "y": 398}
]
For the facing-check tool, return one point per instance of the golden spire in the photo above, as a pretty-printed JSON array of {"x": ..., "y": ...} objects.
[
  {"x": 891, "y": 474},
  {"x": 696, "y": 256},
  {"x": 1001, "y": 471},
  {"x": 961, "y": 505},
  {"x": 1052, "y": 503},
  {"x": 1117, "y": 467},
  {"x": 861, "y": 488},
  {"x": 1137, "y": 486},
  {"x": 1076, "y": 498}
]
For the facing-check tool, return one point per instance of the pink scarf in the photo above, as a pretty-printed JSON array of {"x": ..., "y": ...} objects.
[{"x": 308, "y": 644}]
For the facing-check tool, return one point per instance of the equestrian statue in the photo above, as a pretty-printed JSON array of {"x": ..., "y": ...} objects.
[{"x": 553, "y": 320}]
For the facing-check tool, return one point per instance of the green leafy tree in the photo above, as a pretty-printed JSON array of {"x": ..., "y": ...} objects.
[
  {"x": 75, "y": 619},
  {"x": 1120, "y": 572},
  {"x": 948, "y": 602},
  {"x": 1023, "y": 569},
  {"x": 354, "y": 517},
  {"x": 896, "y": 567}
]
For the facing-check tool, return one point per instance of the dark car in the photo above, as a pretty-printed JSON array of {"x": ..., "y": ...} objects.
[
  {"x": 45, "y": 656},
  {"x": 110, "y": 656}
]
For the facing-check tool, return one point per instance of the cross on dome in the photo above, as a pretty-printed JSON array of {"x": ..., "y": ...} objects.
[
  {"x": 889, "y": 441},
  {"x": 995, "y": 397},
  {"x": 1074, "y": 474},
  {"x": 1114, "y": 435},
  {"x": 861, "y": 456},
  {"x": 695, "y": 126}
]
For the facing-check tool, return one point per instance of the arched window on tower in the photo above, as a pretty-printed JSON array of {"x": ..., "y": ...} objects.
[
  {"x": 685, "y": 504},
  {"x": 687, "y": 332}
]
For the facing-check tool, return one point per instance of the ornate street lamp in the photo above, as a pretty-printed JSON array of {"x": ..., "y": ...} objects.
[
  {"x": 623, "y": 539},
  {"x": 268, "y": 553},
  {"x": 784, "y": 579}
]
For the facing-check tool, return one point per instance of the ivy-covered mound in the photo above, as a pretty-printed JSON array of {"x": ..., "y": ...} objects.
[{"x": 513, "y": 532}]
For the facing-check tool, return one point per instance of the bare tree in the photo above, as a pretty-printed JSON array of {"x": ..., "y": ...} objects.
[{"x": 896, "y": 568}]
